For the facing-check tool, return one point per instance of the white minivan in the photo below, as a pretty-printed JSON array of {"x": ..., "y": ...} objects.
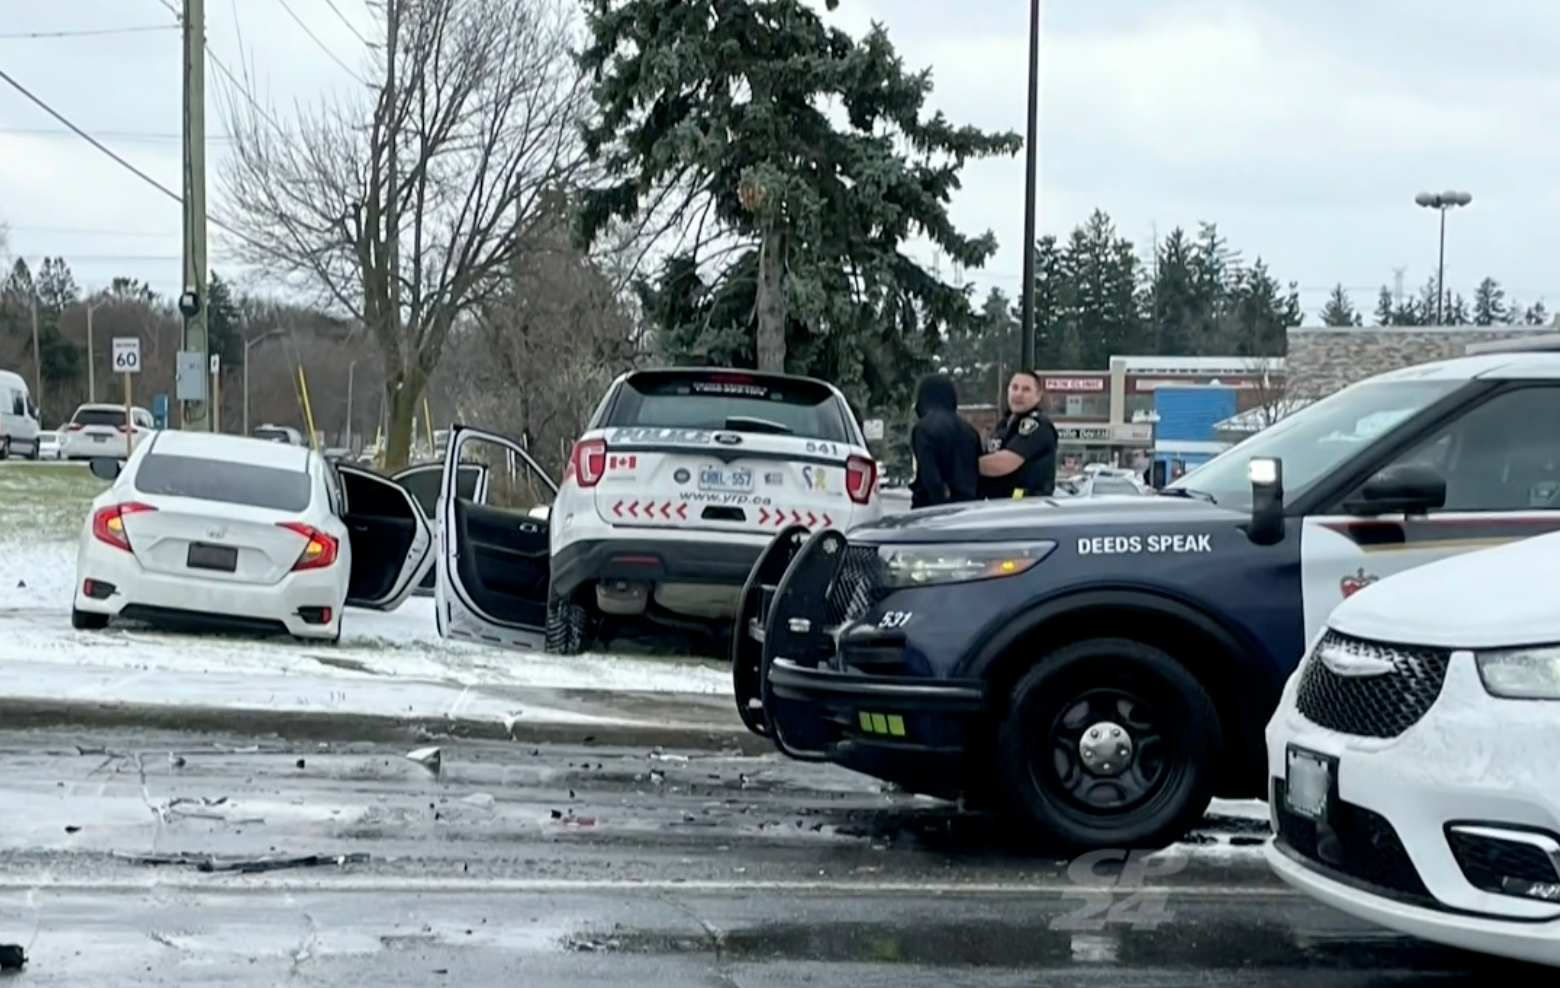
[{"x": 18, "y": 418}]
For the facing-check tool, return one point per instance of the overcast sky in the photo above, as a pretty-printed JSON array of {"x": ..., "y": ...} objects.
[{"x": 1303, "y": 130}]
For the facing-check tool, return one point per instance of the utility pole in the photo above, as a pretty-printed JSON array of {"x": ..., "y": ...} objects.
[
  {"x": 195, "y": 361},
  {"x": 392, "y": 136},
  {"x": 1397, "y": 286},
  {"x": 1026, "y": 353},
  {"x": 37, "y": 396}
]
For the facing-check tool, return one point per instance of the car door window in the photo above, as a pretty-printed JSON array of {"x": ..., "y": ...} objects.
[
  {"x": 1502, "y": 455},
  {"x": 512, "y": 483},
  {"x": 333, "y": 491}
]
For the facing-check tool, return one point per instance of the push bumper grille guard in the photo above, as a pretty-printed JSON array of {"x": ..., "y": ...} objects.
[{"x": 796, "y": 599}]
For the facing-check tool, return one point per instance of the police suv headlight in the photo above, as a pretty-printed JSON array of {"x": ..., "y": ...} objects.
[
  {"x": 929, "y": 565},
  {"x": 1522, "y": 673}
]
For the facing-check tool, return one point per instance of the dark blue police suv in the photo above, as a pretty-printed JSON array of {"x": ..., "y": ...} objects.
[{"x": 1102, "y": 668}]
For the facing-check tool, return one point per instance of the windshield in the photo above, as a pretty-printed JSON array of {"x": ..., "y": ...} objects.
[
  {"x": 1316, "y": 439},
  {"x": 99, "y": 416},
  {"x": 732, "y": 401},
  {"x": 222, "y": 480}
]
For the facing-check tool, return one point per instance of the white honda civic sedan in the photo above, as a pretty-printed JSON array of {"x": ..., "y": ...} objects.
[
  {"x": 228, "y": 531},
  {"x": 1415, "y": 755}
]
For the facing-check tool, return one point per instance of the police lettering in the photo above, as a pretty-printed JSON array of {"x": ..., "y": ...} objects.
[{"x": 1116, "y": 545}]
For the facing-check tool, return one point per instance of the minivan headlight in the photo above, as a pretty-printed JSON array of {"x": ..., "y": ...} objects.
[
  {"x": 929, "y": 565},
  {"x": 1522, "y": 673}
]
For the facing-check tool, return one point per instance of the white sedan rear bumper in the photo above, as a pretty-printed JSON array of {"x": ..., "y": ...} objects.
[{"x": 134, "y": 586}]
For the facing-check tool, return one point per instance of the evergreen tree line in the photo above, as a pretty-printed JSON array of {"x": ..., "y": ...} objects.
[{"x": 1192, "y": 294}]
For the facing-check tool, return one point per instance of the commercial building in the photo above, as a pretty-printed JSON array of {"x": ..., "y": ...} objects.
[{"x": 1324, "y": 359}]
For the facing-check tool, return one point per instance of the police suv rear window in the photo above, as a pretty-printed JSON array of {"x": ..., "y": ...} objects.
[
  {"x": 114, "y": 417},
  {"x": 220, "y": 480},
  {"x": 733, "y": 402}
]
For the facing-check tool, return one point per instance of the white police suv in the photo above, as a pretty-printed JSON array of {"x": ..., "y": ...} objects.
[{"x": 681, "y": 479}]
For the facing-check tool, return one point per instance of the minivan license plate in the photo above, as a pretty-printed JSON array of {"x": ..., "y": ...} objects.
[
  {"x": 1308, "y": 784},
  {"x": 725, "y": 481}
]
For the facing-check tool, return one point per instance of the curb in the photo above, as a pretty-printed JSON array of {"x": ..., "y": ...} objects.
[{"x": 321, "y": 725}]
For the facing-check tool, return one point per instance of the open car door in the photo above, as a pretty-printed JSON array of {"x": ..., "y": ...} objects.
[
  {"x": 392, "y": 540},
  {"x": 493, "y": 561},
  {"x": 424, "y": 481}
]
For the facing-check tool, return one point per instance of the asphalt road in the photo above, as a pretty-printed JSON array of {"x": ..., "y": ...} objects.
[{"x": 205, "y": 861}]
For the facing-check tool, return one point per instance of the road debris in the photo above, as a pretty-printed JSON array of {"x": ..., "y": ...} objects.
[
  {"x": 12, "y": 957},
  {"x": 244, "y": 866},
  {"x": 430, "y": 758}
]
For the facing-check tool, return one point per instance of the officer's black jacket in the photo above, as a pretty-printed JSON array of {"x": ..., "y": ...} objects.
[
  {"x": 946, "y": 448},
  {"x": 1033, "y": 437}
]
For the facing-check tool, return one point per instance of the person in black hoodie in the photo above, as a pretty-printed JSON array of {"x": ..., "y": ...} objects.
[{"x": 946, "y": 449}]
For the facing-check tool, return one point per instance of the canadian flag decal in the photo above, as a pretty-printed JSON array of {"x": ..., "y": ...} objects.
[{"x": 622, "y": 463}]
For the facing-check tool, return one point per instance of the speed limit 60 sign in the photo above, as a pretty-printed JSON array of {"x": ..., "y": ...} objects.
[{"x": 127, "y": 355}]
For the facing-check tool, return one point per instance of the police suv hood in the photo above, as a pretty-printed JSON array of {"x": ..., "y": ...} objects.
[
  {"x": 1493, "y": 598},
  {"x": 1003, "y": 520}
]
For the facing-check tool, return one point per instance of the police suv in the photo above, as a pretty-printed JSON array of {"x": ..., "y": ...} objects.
[
  {"x": 1100, "y": 668},
  {"x": 679, "y": 483}
]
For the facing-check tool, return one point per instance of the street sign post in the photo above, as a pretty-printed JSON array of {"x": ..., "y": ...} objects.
[
  {"x": 216, "y": 392},
  {"x": 127, "y": 361}
]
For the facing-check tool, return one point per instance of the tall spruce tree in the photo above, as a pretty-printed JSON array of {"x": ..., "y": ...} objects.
[{"x": 731, "y": 99}]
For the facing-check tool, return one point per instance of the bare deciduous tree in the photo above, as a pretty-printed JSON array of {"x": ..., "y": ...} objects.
[
  {"x": 408, "y": 214},
  {"x": 533, "y": 362}
]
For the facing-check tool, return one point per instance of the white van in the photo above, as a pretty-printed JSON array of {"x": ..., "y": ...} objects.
[{"x": 18, "y": 418}]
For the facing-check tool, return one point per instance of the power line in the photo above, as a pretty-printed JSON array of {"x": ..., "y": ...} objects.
[
  {"x": 81, "y": 231},
  {"x": 57, "y": 115},
  {"x": 142, "y": 136},
  {"x": 132, "y": 169},
  {"x": 85, "y": 33},
  {"x": 350, "y": 26},
  {"x": 113, "y": 258},
  {"x": 316, "y": 39}
]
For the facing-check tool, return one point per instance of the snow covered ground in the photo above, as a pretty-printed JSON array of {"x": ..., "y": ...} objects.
[{"x": 35, "y": 592}]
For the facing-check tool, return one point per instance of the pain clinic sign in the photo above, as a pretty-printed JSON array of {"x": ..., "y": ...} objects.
[{"x": 1074, "y": 384}]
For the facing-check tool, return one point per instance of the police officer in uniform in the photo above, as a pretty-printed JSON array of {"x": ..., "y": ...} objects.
[{"x": 1021, "y": 457}]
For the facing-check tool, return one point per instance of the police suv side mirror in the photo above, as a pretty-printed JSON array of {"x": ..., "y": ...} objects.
[
  {"x": 1267, "y": 500},
  {"x": 105, "y": 467},
  {"x": 1407, "y": 489}
]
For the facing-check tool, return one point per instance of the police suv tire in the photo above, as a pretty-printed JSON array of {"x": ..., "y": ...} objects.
[
  {"x": 1189, "y": 723},
  {"x": 568, "y": 625},
  {"x": 87, "y": 620}
]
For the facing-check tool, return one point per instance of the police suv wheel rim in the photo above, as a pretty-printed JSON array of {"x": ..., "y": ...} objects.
[{"x": 1105, "y": 752}]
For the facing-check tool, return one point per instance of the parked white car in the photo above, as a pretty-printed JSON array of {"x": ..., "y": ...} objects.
[
  {"x": 48, "y": 445},
  {"x": 681, "y": 480},
  {"x": 1414, "y": 759},
  {"x": 280, "y": 434},
  {"x": 228, "y": 531},
  {"x": 18, "y": 418},
  {"x": 98, "y": 430}
]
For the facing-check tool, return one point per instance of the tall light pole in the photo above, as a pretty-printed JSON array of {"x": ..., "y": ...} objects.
[
  {"x": 91, "y": 363},
  {"x": 1026, "y": 353},
  {"x": 248, "y": 345},
  {"x": 1441, "y": 202},
  {"x": 351, "y": 371}
]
